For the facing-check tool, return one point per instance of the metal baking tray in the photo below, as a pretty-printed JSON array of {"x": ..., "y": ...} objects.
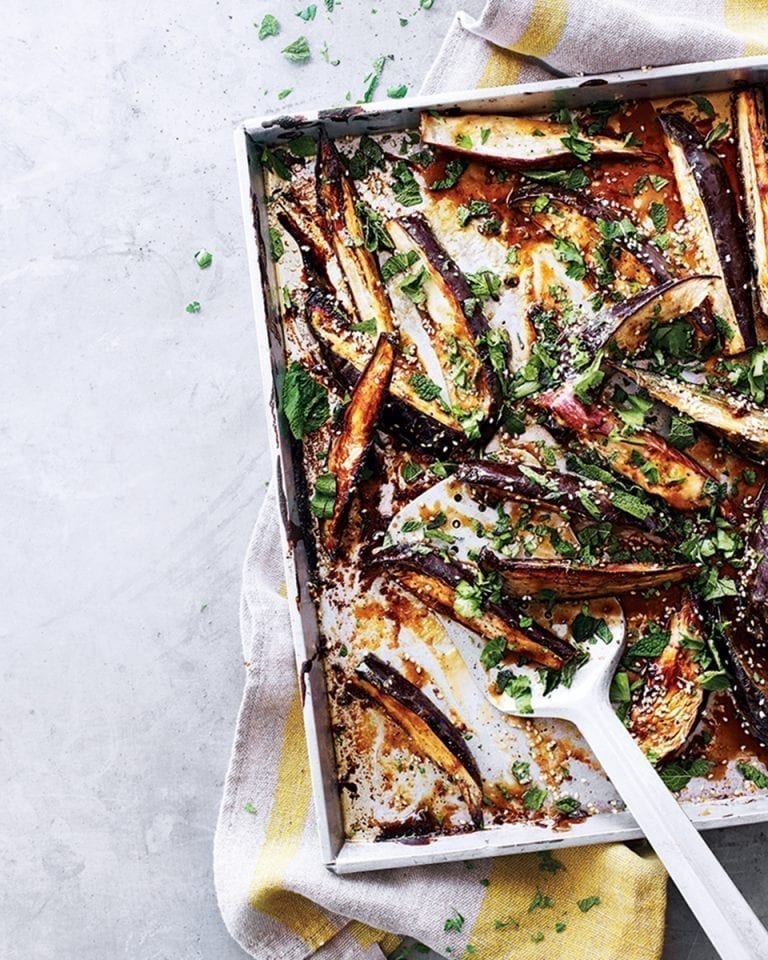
[{"x": 338, "y": 853}]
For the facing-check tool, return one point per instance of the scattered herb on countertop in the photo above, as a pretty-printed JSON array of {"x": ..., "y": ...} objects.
[{"x": 298, "y": 51}]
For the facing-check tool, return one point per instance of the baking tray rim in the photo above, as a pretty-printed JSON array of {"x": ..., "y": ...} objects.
[{"x": 338, "y": 853}]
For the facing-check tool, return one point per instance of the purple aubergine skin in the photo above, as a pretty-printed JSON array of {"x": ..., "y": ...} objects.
[
  {"x": 758, "y": 546},
  {"x": 640, "y": 248},
  {"x": 727, "y": 228},
  {"x": 449, "y": 572},
  {"x": 385, "y": 678},
  {"x": 421, "y": 233},
  {"x": 507, "y": 478},
  {"x": 746, "y": 653},
  {"x": 601, "y": 581}
]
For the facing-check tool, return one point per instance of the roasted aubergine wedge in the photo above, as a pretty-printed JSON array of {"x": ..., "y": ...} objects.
[
  {"x": 711, "y": 208},
  {"x": 345, "y": 217},
  {"x": 576, "y": 496},
  {"x": 746, "y": 652},
  {"x": 757, "y": 557},
  {"x": 455, "y": 324},
  {"x": 531, "y": 577},
  {"x": 740, "y": 421},
  {"x": 439, "y": 582},
  {"x": 751, "y": 127},
  {"x": 666, "y": 705},
  {"x": 431, "y": 732},
  {"x": 634, "y": 261},
  {"x": 517, "y": 141},
  {"x": 628, "y": 324},
  {"x": 644, "y": 457},
  {"x": 351, "y": 444},
  {"x": 408, "y": 415}
]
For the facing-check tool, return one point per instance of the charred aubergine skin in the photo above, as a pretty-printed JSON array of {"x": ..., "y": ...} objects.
[
  {"x": 434, "y": 580},
  {"x": 431, "y": 731},
  {"x": 751, "y": 128},
  {"x": 694, "y": 161}
]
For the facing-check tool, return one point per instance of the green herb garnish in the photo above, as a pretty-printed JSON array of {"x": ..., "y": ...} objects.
[
  {"x": 304, "y": 401},
  {"x": 298, "y": 51}
]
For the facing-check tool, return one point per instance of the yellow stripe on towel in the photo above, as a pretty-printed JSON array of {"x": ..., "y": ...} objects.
[
  {"x": 748, "y": 18},
  {"x": 282, "y": 840},
  {"x": 545, "y": 28}
]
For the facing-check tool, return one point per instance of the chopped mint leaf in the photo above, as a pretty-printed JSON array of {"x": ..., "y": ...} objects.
[
  {"x": 204, "y": 258},
  {"x": 398, "y": 92},
  {"x": 534, "y": 797},
  {"x": 308, "y": 13},
  {"x": 398, "y": 263},
  {"x": 456, "y": 922},
  {"x": 269, "y": 27},
  {"x": 304, "y": 401},
  {"x": 365, "y": 326},
  {"x": 717, "y": 132},
  {"x": 298, "y": 51},
  {"x": 285, "y": 93},
  {"x": 367, "y": 156},
  {"x": 493, "y": 652},
  {"x": 757, "y": 776},
  {"x": 193, "y": 307},
  {"x": 677, "y": 775},
  {"x": 582, "y": 149},
  {"x": 572, "y": 179},
  {"x": 652, "y": 643},
  {"x": 453, "y": 171},
  {"x": 567, "y": 252},
  {"x": 276, "y": 245},
  {"x": 427, "y": 389},
  {"x": 659, "y": 215},
  {"x": 681, "y": 433},
  {"x": 540, "y": 902},
  {"x": 372, "y": 80},
  {"x": 302, "y": 146},
  {"x": 521, "y": 771},
  {"x": 405, "y": 186},
  {"x": 568, "y": 805},
  {"x": 704, "y": 106}
]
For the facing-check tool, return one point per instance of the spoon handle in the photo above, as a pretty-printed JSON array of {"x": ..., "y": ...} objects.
[{"x": 724, "y": 914}]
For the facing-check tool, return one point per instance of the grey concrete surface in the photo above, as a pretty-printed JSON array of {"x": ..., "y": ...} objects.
[{"x": 134, "y": 455}]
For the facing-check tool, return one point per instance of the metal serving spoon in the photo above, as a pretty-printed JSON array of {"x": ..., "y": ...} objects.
[{"x": 724, "y": 914}]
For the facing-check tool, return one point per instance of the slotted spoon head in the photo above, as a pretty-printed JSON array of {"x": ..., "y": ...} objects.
[{"x": 550, "y": 695}]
